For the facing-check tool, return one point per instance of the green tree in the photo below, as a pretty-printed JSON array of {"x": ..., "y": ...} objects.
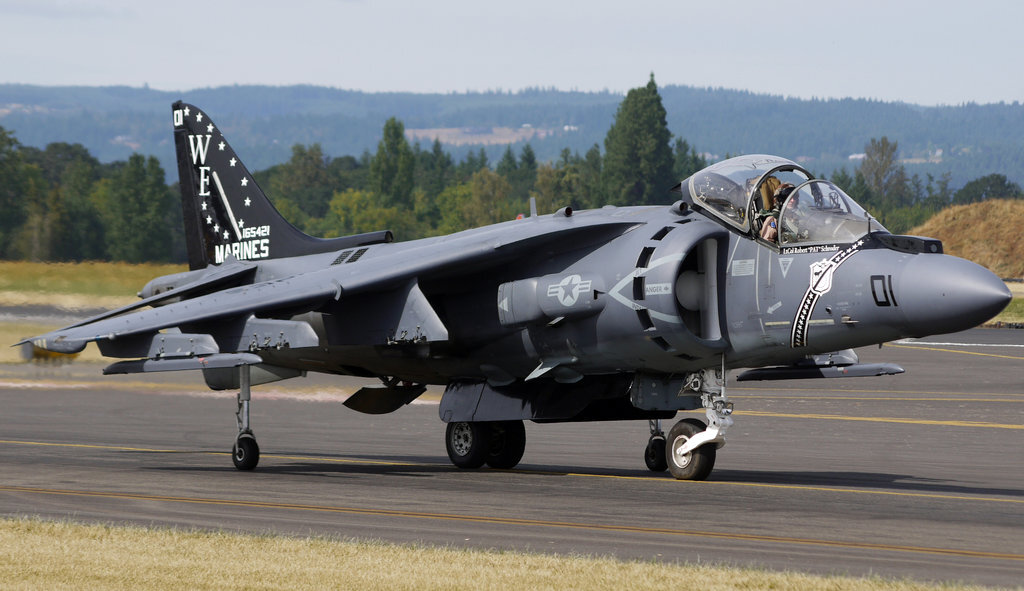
[
  {"x": 638, "y": 159},
  {"x": 490, "y": 200},
  {"x": 355, "y": 211},
  {"x": 77, "y": 227},
  {"x": 451, "y": 203},
  {"x": 508, "y": 165},
  {"x": 137, "y": 209},
  {"x": 303, "y": 181},
  {"x": 526, "y": 174},
  {"x": 15, "y": 187},
  {"x": 686, "y": 160},
  {"x": 592, "y": 192},
  {"x": 392, "y": 167},
  {"x": 886, "y": 179},
  {"x": 473, "y": 163},
  {"x": 993, "y": 186},
  {"x": 434, "y": 170}
]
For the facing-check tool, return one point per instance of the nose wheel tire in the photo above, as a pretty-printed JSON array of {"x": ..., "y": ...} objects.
[
  {"x": 695, "y": 465},
  {"x": 245, "y": 453},
  {"x": 655, "y": 454}
]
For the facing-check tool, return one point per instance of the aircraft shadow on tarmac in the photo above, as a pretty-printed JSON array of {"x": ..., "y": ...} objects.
[
  {"x": 899, "y": 482},
  {"x": 426, "y": 466}
]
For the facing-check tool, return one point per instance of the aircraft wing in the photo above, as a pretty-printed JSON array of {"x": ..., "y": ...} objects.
[{"x": 132, "y": 332}]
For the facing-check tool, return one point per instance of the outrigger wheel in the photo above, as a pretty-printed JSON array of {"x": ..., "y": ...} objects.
[{"x": 245, "y": 453}]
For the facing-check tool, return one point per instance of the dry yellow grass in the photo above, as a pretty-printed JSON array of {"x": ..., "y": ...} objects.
[
  {"x": 990, "y": 233},
  {"x": 76, "y": 285},
  {"x": 36, "y": 554},
  {"x": 12, "y": 332}
]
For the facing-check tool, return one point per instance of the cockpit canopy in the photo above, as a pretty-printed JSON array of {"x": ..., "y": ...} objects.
[{"x": 739, "y": 192}]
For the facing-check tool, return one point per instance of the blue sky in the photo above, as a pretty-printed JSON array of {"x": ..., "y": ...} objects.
[{"x": 929, "y": 53}]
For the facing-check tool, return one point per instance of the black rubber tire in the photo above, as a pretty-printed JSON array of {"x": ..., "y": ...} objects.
[
  {"x": 245, "y": 453},
  {"x": 468, "y": 443},
  {"x": 655, "y": 455},
  {"x": 697, "y": 464},
  {"x": 508, "y": 442}
]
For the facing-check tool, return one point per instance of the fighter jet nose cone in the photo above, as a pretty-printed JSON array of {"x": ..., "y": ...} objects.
[{"x": 941, "y": 293}]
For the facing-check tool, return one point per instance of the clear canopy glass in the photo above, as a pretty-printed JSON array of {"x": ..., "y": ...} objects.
[
  {"x": 819, "y": 211},
  {"x": 739, "y": 192}
]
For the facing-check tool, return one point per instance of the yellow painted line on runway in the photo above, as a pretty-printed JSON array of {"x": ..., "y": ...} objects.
[
  {"x": 513, "y": 521},
  {"x": 209, "y": 453},
  {"x": 85, "y": 446},
  {"x": 784, "y": 415},
  {"x": 955, "y": 351},
  {"x": 652, "y": 478},
  {"x": 800, "y": 487}
]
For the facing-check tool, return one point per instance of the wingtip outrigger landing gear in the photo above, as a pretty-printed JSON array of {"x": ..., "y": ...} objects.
[
  {"x": 245, "y": 453},
  {"x": 691, "y": 445}
]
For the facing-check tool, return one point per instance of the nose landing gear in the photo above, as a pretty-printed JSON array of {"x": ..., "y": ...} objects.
[{"x": 690, "y": 448}]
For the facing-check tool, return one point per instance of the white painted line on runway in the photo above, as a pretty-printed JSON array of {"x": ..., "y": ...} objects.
[{"x": 918, "y": 342}]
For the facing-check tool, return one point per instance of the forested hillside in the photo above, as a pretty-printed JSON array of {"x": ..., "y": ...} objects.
[
  {"x": 65, "y": 202},
  {"x": 966, "y": 141}
]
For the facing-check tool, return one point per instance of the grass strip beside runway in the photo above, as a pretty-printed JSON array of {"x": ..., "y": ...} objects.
[{"x": 39, "y": 554}]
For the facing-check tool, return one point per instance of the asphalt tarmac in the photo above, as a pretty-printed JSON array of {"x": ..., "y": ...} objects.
[{"x": 919, "y": 475}]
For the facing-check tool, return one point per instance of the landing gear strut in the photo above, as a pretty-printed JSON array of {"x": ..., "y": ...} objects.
[
  {"x": 245, "y": 453},
  {"x": 691, "y": 445}
]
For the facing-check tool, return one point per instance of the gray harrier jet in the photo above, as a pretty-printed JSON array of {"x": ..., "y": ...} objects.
[{"x": 608, "y": 314}]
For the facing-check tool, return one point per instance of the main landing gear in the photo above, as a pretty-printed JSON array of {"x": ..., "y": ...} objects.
[
  {"x": 689, "y": 450},
  {"x": 499, "y": 444},
  {"x": 245, "y": 453}
]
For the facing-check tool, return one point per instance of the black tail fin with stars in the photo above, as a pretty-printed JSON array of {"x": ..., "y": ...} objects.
[{"x": 226, "y": 212}]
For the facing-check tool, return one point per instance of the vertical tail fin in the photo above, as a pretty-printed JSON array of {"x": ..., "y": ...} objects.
[{"x": 226, "y": 212}]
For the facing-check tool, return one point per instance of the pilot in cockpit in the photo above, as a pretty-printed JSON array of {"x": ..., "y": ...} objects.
[{"x": 770, "y": 225}]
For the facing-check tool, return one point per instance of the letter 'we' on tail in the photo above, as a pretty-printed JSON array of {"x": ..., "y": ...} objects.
[{"x": 226, "y": 212}]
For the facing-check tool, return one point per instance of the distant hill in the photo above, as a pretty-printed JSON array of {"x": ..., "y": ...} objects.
[
  {"x": 988, "y": 233},
  {"x": 264, "y": 122}
]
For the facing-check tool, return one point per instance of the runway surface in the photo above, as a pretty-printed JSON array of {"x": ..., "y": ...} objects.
[{"x": 919, "y": 475}]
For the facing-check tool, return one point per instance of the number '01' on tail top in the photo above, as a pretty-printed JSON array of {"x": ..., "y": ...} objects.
[{"x": 226, "y": 213}]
